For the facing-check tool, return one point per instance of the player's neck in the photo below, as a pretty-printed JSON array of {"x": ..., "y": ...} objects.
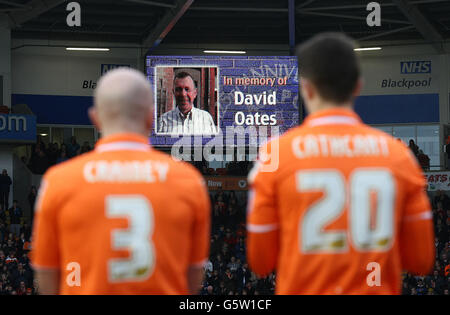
[
  {"x": 322, "y": 106},
  {"x": 116, "y": 130}
]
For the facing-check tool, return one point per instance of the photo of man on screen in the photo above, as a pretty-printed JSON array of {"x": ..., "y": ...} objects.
[{"x": 185, "y": 118}]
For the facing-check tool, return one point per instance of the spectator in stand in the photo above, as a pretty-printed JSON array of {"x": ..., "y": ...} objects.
[
  {"x": 230, "y": 281},
  {"x": 424, "y": 160},
  {"x": 210, "y": 290},
  {"x": 405, "y": 288},
  {"x": 208, "y": 268},
  {"x": 26, "y": 230},
  {"x": 39, "y": 162},
  {"x": 230, "y": 239},
  {"x": 241, "y": 254},
  {"x": 15, "y": 213},
  {"x": 233, "y": 265},
  {"x": 62, "y": 157},
  {"x": 220, "y": 205},
  {"x": 439, "y": 247},
  {"x": 3, "y": 231},
  {"x": 85, "y": 148},
  {"x": 63, "y": 148},
  {"x": 447, "y": 151},
  {"x": 231, "y": 216},
  {"x": 215, "y": 245},
  {"x": 436, "y": 281},
  {"x": 443, "y": 198},
  {"x": 53, "y": 153},
  {"x": 219, "y": 264},
  {"x": 221, "y": 290},
  {"x": 22, "y": 290},
  {"x": 73, "y": 147},
  {"x": 214, "y": 280},
  {"x": 413, "y": 147},
  {"x": 40, "y": 143},
  {"x": 225, "y": 252},
  {"x": 243, "y": 275},
  {"x": 11, "y": 259},
  {"x": 5, "y": 184},
  {"x": 31, "y": 201},
  {"x": 221, "y": 231},
  {"x": 421, "y": 289}
]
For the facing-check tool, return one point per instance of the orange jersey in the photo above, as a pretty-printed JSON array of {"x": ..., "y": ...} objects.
[
  {"x": 128, "y": 218},
  {"x": 337, "y": 207}
]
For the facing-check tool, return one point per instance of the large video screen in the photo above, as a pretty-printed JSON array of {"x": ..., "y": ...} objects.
[{"x": 233, "y": 100}]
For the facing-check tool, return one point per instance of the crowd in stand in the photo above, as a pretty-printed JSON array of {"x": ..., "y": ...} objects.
[
  {"x": 233, "y": 168},
  {"x": 438, "y": 281},
  {"x": 227, "y": 272},
  {"x": 422, "y": 158},
  {"x": 43, "y": 156},
  {"x": 16, "y": 275}
]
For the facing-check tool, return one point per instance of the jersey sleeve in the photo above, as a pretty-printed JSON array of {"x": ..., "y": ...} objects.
[
  {"x": 417, "y": 205},
  {"x": 45, "y": 249},
  {"x": 201, "y": 228},
  {"x": 416, "y": 231},
  {"x": 261, "y": 212},
  {"x": 262, "y": 217}
]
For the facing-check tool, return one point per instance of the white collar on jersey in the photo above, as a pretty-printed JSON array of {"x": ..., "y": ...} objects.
[
  {"x": 123, "y": 146},
  {"x": 333, "y": 120}
]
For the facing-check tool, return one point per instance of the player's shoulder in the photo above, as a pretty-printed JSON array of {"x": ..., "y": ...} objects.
[
  {"x": 400, "y": 156},
  {"x": 284, "y": 141},
  {"x": 395, "y": 145},
  {"x": 69, "y": 169},
  {"x": 292, "y": 133},
  {"x": 178, "y": 167}
]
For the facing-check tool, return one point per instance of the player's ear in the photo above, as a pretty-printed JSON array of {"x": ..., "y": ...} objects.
[
  {"x": 306, "y": 89},
  {"x": 358, "y": 87},
  {"x": 93, "y": 116},
  {"x": 149, "y": 119}
]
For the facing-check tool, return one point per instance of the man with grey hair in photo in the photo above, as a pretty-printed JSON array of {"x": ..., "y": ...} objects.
[{"x": 185, "y": 118}]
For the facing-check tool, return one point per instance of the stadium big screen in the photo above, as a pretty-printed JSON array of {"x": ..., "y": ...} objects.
[{"x": 239, "y": 100}]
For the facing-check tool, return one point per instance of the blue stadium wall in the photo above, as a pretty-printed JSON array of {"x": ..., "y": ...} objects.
[{"x": 374, "y": 109}]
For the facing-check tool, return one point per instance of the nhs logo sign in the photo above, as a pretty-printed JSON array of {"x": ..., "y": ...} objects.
[
  {"x": 108, "y": 66},
  {"x": 412, "y": 67}
]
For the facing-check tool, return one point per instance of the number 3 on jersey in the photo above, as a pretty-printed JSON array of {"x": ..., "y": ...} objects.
[
  {"x": 362, "y": 183},
  {"x": 138, "y": 210}
]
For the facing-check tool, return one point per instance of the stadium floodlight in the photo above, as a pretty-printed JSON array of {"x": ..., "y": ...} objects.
[
  {"x": 367, "y": 48},
  {"x": 224, "y": 52},
  {"x": 87, "y": 49}
]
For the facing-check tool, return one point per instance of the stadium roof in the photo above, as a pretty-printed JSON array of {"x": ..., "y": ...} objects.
[{"x": 147, "y": 23}]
